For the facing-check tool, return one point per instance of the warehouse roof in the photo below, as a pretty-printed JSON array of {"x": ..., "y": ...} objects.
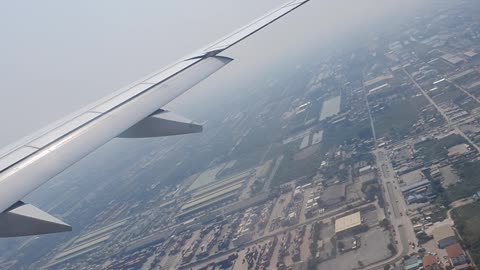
[
  {"x": 443, "y": 232},
  {"x": 348, "y": 222}
]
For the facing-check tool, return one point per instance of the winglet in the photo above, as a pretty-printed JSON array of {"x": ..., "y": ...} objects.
[{"x": 25, "y": 219}]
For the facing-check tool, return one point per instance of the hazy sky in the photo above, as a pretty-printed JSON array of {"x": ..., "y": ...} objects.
[{"x": 57, "y": 56}]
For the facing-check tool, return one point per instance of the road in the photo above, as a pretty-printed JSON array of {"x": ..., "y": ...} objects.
[
  {"x": 449, "y": 122},
  {"x": 394, "y": 201}
]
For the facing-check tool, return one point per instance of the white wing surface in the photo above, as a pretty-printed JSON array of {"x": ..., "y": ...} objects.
[{"x": 132, "y": 112}]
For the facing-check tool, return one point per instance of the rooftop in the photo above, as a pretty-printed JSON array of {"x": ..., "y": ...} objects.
[
  {"x": 378, "y": 79},
  {"x": 454, "y": 251},
  {"x": 412, "y": 263},
  {"x": 348, "y": 222},
  {"x": 443, "y": 232},
  {"x": 416, "y": 185},
  {"x": 429, "y": 260}
]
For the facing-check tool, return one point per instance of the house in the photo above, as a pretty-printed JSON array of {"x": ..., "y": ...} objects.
[
  {"x": 457, "y": 256},
  {"x": 430, "y": 263}
]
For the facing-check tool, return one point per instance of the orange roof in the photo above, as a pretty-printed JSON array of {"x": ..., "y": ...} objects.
[
  {"x": 454, "y": 251},
  {"x": 429, "y": 260}
]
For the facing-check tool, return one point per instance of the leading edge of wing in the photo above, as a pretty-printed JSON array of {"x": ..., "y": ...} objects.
[{"x": 247, "y": 30}]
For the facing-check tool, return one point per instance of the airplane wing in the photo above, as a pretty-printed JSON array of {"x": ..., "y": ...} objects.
[{"x": 132, "y": 112}]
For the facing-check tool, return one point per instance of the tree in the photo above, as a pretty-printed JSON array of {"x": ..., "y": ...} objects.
[
  {"x": 391, "y": 248},
  {"x": 386, "y": 267},
  {"x": 385, "y": 223}
]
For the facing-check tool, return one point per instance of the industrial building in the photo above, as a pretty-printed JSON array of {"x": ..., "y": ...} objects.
[
  {"x": 348, "y": 223},
  {"x": 417, "y": 192},
  {"x": 444, "y": 236}
]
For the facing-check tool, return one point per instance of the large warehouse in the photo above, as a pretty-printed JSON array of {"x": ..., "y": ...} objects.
[{"x": 348, "y": 223}]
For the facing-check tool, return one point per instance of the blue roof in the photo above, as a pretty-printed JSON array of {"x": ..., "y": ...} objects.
[{"x": 412, "y": 263}]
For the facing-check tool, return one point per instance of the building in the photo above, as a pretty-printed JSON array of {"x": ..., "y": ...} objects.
[
  {"x": 348, "y": 223},
  {"x": 430, "y": 263},
  {"x": 378, "y": 81},
  {"x": 412, "y": 263},
  {"x": 457, "y": 256},
  {"x": 444, "y": 236},
  {"x": 379, "y": 89},
  {"x": 418, "y": 192},
  {"x": 366, "y": 169}
]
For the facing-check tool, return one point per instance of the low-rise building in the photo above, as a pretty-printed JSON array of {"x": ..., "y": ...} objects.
[
  {"x": 348, "y": 223},
  {"x": 430, "y": 263},
  {"x": 365, "y": 170},
  {"x": 457, "y": 256},
  {"x": 444, "y": 236},
  {"x": 412, "y": 263}
]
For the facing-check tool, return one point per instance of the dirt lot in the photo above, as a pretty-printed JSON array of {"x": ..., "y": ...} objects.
[{"x": 373, "y": 249}]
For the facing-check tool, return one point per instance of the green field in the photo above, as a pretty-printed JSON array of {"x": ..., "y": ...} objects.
[
  {"x": 398, "y": 118},
  {"x": 469, "y": 174},
  {"x": 434, "y": 149},
  {"x": 344, "y": 133},
  {"x": 291, "y": 169},
  {"x": 466, "y": 220}
]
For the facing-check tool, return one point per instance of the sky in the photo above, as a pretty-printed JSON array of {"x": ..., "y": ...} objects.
[{"x": 58, "y": 56}]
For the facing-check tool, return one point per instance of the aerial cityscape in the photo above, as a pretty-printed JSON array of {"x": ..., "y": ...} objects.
[{"x": 367, "y": 158}]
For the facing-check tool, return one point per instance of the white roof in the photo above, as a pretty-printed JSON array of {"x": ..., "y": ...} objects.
[{"x": 348, "y": 222}]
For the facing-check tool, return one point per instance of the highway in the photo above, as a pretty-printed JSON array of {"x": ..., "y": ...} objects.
[{"x": 395, "y": 203}]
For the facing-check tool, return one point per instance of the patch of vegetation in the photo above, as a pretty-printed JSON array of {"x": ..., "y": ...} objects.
[
  {"x": 345, "y": 132},
  {"x": 442, "y": 196},
  {"x": 466, "y": 220},
  {"x": 317, "y": 228},
  {"x": 291, "y": 169},
  {"x": 470, "y": 184},
  {"x": 397, "y": 119},
  {"x": 372, "y": 191},
  {"x": 447, "y": 95},
  {"x": 439, "y": 214},
  {"x": 435, "y": 149}
]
